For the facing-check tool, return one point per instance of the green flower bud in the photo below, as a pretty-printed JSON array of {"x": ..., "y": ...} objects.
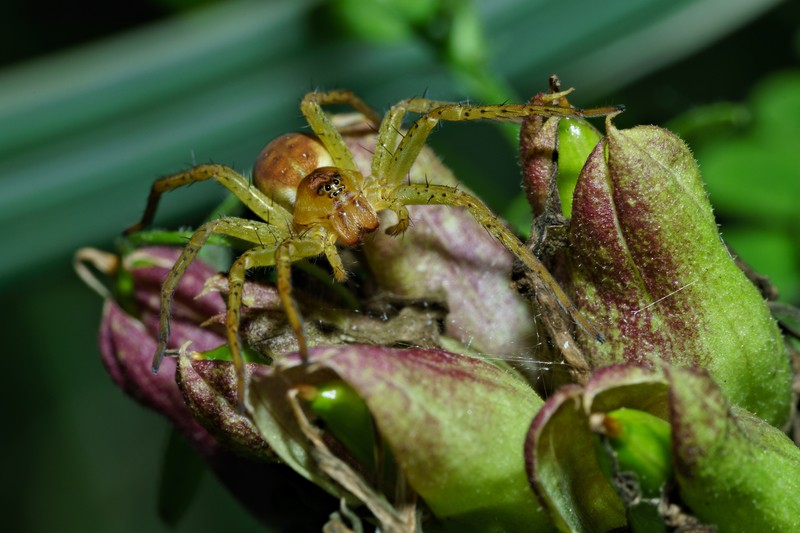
[
  {"x": 551, "y": 149},
  {"x": 560, "y": 450},
  {"x": 345, "y": 415},
  {"x": 576, "y": 140},
  {"x": 641, "y": 444},
  {"x": 634, "y": 452},
  {"x": 729, "y": 468},
  {"x": 651, "y": 271}
]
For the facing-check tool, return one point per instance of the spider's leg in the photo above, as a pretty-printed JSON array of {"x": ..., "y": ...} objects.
[
  {"x": 286, "y": 253},
  {"x": 390, "y": 132},
  {"x": 442, "y": 194},
  {"x": 311, "y": 106},
  {"x": 403, "y": 219},
  {"x": 332, "y": 254},
  {"x": 228, "y": 178},
  {"x": 247, "y": 230},
  {"x": 282, "y": 255},
  {"x": 283, "y": 263},
  {"x": 412, "y": 142}
]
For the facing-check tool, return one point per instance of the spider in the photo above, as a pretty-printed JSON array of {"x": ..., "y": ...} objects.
[{"x": 306, "y": 208}]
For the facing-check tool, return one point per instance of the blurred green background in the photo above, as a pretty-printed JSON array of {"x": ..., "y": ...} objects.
[{"x": 98, "y": 99}]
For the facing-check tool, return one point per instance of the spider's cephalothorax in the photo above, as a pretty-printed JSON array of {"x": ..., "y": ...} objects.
[
  {"x": 308, "y": 196},
  {"x": 295, "y": 170},
  {"x": 332, "y": 198}
]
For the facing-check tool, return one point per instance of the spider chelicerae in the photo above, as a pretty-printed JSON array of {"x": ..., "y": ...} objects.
[{"x": 306, "y": 209}]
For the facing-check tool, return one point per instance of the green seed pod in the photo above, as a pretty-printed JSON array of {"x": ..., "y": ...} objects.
[
  {"x": 641, "y": 443},
  {"x": 345, "y": 415},
  {"x": 634, "y": 452},
  {"x": 553, "y": 148}
]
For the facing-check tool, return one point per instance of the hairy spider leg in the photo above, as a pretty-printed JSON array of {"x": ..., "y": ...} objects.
[
  {"x": 393, "y": 171},
  {"x": 323, "y": 128},
  {"x": 331, "y": 138},
  {"x": 237, "y": 184},
  {"x": 276, "y": 227},
  {"x": 282, "y": 256},
  {"x": 269, "y": 251},
  {"x": 240, "y": 228},
  {"x": 390, "y": 133},
  {"x": 424, "y": 194}
]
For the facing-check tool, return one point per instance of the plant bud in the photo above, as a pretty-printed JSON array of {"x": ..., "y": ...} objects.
[
  {"x": 209, "y": 388},
  {"x": 649, "y": 268},
  {"x": 454, "y": 425},
  {"x": 552, "y": 151},
  {"x": 641, "y": 444},
  {"x": 675, "y": 430},
  {"x": 633, "y": 450},
  {"x": 345, "y": 415},
  {"x": 447, "y": 256},
  {"x": 127, "y": 343},
  {"x": 552, "y": 154},
  {"x": 733, "y": 469}
]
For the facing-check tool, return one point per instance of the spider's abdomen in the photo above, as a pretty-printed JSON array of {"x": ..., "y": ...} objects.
[
  {"x": 284, "y": 162},
  {"x": 330, "y": 197}
]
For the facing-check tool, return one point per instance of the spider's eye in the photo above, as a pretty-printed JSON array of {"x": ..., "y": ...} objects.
[{"x": 332, "y": 187}]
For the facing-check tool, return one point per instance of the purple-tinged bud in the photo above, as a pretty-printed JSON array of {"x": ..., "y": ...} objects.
[
  {"x": 552, "y": 153},
  {"x": 209, "y": 388},
  {"x": 455, "y": 426},
  {"x": 447, "y": 256},
  {"x": 649, "y": 268},
  {"x": 733, "y": 469},
  {"x": 729, "y": 468},
  {"x": 127, "y": 348}
]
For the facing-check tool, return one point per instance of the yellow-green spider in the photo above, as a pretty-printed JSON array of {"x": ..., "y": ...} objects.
[{"x": 310, "y": 197}]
